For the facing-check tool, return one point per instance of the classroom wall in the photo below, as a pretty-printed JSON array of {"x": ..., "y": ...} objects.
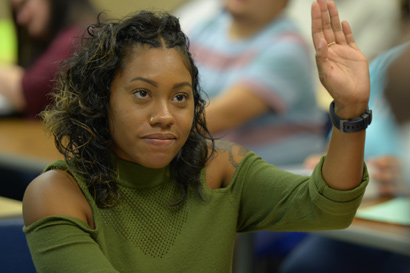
[
  {"x": 118, "y": 8},
  {"x": 4, "y": 9}
]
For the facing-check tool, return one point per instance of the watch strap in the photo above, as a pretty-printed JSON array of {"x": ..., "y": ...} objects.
[{"x": 350, "y": 125}]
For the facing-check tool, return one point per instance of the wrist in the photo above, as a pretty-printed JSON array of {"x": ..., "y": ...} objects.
[
  {"x": 351, "y": 111},
  {"x": 353, "y": 119}
]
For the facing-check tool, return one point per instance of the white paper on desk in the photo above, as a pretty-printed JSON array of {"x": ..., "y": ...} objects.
[
  {"x": 5, "y": 105},
  {"x": 296, "y": 169},
  {"x": 396, "y": 211}
]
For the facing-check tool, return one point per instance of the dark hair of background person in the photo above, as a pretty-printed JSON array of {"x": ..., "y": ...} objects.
[
  {"x": 397, "y": 91},
  {"x": 79, "y": 117},
  {"x": 405, "y": 9},
  {"x": 63, "y": 13}
]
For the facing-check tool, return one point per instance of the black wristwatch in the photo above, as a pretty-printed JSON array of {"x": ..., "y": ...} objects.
[{"x": 350, "y": 125}]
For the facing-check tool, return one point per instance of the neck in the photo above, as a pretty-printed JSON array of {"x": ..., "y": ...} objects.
[{"x": 243, "y": 27}]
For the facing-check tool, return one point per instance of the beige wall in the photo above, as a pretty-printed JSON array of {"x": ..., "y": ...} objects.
[
  {"x": 118, "y": 8},
  {"x": 4, "y": 9}
]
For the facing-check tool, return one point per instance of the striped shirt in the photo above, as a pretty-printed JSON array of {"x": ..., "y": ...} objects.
[{"x": 275, "y": 65}]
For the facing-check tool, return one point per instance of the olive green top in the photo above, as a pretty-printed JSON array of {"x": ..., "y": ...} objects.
[{"x": 146, "y": 233}]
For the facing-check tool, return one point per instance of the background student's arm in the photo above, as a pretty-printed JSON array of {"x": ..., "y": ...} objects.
[
  {"x": 234, "y": 108},
  {"x": 10, "y": 85}
]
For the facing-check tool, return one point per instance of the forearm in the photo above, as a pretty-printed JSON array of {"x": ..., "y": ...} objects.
[
  {"x": 315, "y": 206},
  {"x": 65, "y": 244},
  {"x": 238, "y": 106},
  {"x": 216, "y": 120},
  {"x": 343, "y": 167},
  {"x": 11, "y": 86}
]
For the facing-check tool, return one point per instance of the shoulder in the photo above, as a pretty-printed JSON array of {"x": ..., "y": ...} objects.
[
  {"x": 223, "y": 163},
  {"x": 55, "y": 193},
  {"x": 387, "y": 57}
]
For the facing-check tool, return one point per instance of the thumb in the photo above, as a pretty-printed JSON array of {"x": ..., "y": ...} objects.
[
  {"x": 321, "y": 57},
  {"x": 322, "y": 50}
]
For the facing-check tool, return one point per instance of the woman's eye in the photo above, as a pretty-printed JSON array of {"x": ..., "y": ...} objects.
[
  {"x": 141, "y": 94},
  {"x": 181, "y": 97}
]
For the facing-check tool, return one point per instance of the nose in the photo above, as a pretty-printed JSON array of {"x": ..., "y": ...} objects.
[{"x": 162, "y": 115}]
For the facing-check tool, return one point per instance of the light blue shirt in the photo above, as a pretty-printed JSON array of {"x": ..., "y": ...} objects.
[
  {"x": 275, "y": 65},
  {"x": 382, "y": 136}
]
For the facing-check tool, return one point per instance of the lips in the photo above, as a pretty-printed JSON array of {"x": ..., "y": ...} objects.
[{"x": 160, "y": 139}]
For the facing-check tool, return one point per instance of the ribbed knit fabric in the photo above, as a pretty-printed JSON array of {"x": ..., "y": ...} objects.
[{"x": 145, "y": 233}]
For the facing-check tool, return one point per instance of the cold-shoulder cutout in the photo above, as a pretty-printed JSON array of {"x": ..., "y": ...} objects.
[
  {"x": 55, "y": 193},
  {"x": 221, "y": 167}
]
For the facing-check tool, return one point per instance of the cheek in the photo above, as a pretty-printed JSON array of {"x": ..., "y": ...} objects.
[
  {"x": 23, "y": 16},
  {"x": 118, "y": 124},
  {"x": 43, "y": 18},
  {"x": 115, "y": 122},
  {"x": 186, "y": 122}
]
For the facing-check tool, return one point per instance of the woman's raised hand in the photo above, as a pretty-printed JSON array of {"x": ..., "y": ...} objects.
[{"x": 343, "y": 68}]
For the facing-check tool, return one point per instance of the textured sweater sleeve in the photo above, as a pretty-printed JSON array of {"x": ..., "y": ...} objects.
[
  {"x": 273, "y": 199},
  {"x": 65, "y": 244}
]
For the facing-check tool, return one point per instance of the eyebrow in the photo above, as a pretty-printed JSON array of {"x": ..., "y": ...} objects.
[
  {"x": 153, "y": 83},
  {"x": 144, "y": 80}
]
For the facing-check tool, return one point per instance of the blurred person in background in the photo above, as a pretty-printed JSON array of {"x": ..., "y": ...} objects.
[
  {"x": 46, "y": 32},
  {"x": 256, "y": 69},
  {"x": 194, "y": 11},
  {"x": 398, "y": 96},
  {"x": 368, "y": 20}
]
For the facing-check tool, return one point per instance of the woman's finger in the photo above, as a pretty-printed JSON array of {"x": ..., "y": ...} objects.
[
  {"x": 349, "y": 35},
  {"x": 317, "y": 29},
  {"x": 326, "y": 23},
  {"x": 335, "y": 21},
  {"x": 322, "y": 60}
]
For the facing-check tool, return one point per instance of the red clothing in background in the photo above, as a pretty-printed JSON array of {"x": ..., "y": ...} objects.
[{"x": 37, "y": 80}]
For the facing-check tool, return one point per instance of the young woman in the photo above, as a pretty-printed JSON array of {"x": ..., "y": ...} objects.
[{"x": 144, "y": 188}]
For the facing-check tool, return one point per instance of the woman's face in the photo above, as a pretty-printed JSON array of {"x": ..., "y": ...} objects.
[
  {"x": 35, "y": 16},
  {"x": 151, "y": 107}
]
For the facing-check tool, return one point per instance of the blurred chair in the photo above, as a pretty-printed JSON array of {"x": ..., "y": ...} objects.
[{"x": 15, "y": 256}]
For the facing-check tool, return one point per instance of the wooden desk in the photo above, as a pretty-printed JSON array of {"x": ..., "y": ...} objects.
[
  {"x": 385, "y": 236},
  {"x": 391, "y": 237},
  {"x": 24, "y": 145},
  {"x": 10, "y": 209}
]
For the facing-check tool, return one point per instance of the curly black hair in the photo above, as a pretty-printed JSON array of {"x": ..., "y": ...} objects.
[{"x": 78, "y": 118}]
